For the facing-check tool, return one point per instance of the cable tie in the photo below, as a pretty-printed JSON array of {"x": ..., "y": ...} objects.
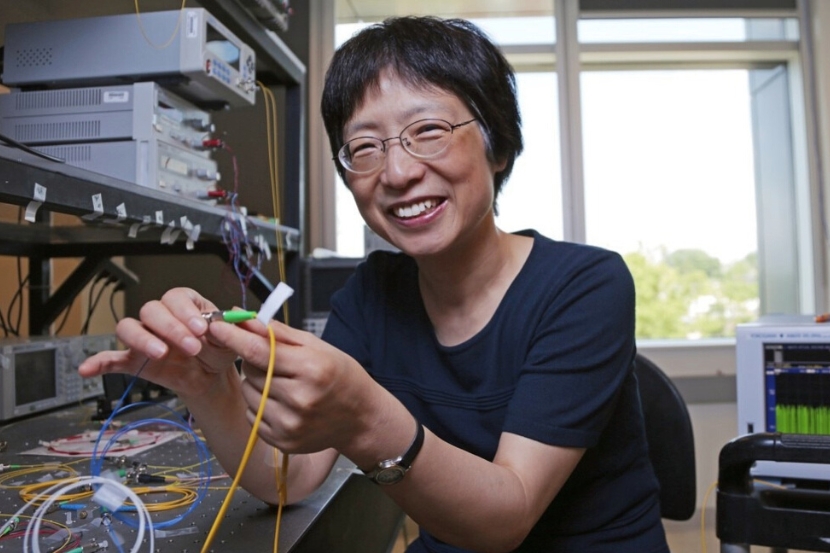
[
  {"x": 110, "y": 497},
  {"x": 273, "y": 302}
]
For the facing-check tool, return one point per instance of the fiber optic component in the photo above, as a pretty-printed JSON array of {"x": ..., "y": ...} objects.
[
  {"x": 41, "y": 373},
  {"x": 204, "y": 62},
  {"x": 232, "y": 316}
]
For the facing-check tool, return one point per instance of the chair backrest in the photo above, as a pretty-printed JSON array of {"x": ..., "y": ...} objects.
[{"x": 670, "y": 439}]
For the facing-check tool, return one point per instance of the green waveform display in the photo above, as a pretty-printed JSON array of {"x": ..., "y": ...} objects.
[
  {"x": 802, "y": 419},
  {"x": 802, "y": 401}
]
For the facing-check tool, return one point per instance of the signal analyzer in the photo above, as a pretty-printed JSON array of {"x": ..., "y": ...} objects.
[{"x": 783, "y": 383}]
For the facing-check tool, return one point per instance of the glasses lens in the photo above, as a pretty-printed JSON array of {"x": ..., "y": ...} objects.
[
  {"x": 362, "y": 154},
  {"x": 427, "y": 137}
]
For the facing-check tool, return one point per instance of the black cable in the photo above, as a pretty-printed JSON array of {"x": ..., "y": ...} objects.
[
  {"x": 20, "y": 146},
  {"x": 4, "y": 326},
  {"x": 65, "y": 318},
  {"x": 18, "y": 296},
  {"x": 118, "y": 288},
  {"x": 93, "y": 304}
]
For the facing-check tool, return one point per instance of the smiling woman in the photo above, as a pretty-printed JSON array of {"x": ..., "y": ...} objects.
[{"x": 476, "y": 331}]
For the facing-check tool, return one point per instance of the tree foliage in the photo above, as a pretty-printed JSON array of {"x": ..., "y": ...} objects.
[{"x": 688, "y": 294}]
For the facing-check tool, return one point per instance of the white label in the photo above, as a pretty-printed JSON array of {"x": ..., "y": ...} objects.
[
  {"x": 40, "y": 192},
  {"x": 116, "y": 96},
  {"x": 31, "y": 211},
  {"x": 192, "y": 27}
]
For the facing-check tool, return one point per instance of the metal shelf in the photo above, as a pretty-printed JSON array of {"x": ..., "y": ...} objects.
[
  {"x": 122, "y": 218},
  {"x": 122, "y": 204}
]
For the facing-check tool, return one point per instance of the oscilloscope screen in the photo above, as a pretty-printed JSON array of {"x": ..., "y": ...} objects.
[{"x": 797, "y": 382}]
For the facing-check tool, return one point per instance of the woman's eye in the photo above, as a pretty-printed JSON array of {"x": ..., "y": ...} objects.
[
  {"x": 363, "y": 148},
  {"x": 428, "y": 130}
]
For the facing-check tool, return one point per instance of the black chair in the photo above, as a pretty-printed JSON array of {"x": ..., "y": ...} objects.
[
  {"x": 671, "y": 442},
  {"x": 750, "y": 512}
]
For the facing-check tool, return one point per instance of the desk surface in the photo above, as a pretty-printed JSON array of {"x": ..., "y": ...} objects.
[{"x": 347, "y": 513}]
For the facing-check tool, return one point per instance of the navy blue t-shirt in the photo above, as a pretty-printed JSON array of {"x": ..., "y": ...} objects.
[{"x": 553, "y": 365}]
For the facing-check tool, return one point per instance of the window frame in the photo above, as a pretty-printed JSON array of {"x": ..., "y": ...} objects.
[{"x": 568, "y": 58}]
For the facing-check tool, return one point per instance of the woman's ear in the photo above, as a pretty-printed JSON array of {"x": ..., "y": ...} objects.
[{"x": 499, "y": 165}]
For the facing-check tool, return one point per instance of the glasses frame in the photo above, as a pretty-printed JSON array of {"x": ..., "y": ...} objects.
[{"x": 341, "y": 156}]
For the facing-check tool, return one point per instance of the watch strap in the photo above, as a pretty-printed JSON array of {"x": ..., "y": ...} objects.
[
  {"x": 414, "y": 448},
  {"x": 397, "y": 467}
]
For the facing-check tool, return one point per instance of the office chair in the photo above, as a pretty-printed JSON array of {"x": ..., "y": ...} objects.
[
  {"x": 754, "y": 513},
  {"x": 671, "y": 442}
]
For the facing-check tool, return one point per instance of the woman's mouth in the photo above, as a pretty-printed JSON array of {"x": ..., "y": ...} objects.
[{"x": 414, "y": 210}]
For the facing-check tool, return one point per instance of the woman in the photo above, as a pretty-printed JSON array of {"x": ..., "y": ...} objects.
[{"x": 484, "y": 377}]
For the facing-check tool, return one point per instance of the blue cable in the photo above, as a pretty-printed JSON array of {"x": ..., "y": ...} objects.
[{"x": 96, "y": 462}]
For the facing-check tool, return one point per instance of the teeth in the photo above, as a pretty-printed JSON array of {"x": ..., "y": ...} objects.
[{"x": 415, "y": 209}]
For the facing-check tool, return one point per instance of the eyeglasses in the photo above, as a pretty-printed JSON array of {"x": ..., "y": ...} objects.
[{"x": 423, "y": 139}]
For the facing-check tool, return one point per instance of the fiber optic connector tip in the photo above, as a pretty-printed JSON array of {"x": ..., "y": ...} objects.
[{"x": 234, "y": 316}]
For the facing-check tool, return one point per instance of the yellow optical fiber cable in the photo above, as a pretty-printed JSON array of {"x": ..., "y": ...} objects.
[
  {"x": 31, "y": 469},
  {"x": 273, "y": 157},
  {"x": 188, "y": 496},
  {"x": 703, "y": 516},
  {"x": 169, "y": 40},
  {"x": 248, "y": 448},
  {"x": 282, "y": 478},
  {"x": 31, "y": 493}
]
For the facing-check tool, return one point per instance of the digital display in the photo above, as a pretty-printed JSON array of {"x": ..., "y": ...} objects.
[
  {"x": 797, "y": 382},
  {"x": 222, "y": 48},
  {"x": 34, "y": 376}
]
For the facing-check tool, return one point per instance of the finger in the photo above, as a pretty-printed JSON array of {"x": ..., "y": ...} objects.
[
  {"x": 253, "y": 398},
  {"x": 246, "y": 341},
  {"x": 164, "y": 324},
  {"x": 264, "y": 430},
  {"x": 188, "y": 305},
  {"x": 138, "y": 338},
  {"x": 110, "y": 362},
  {"x": 282, "y": 332}
]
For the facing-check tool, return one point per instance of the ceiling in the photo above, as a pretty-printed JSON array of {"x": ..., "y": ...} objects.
[{"x": 353, "y": 11}]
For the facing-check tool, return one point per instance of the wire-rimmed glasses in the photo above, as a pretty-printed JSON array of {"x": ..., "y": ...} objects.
[{"x": 424, "y": 138}]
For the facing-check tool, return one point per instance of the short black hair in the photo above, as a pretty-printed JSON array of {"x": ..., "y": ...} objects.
[{"x": 449, "y": 54}]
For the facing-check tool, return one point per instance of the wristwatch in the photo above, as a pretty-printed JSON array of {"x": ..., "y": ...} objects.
[{"x": 392, "y": 471}]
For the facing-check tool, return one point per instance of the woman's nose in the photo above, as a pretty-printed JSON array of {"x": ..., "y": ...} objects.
[{"x": 399, "y": 166}]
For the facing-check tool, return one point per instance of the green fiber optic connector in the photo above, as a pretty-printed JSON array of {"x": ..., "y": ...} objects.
[{"x": 233, "y": 316}]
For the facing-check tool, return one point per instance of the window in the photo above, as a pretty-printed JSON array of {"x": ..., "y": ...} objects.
[
  {"x": 670, "y": 185},
  {"x": 690, "y": 157}
]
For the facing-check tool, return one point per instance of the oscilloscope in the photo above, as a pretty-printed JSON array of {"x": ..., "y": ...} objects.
[{"x": 41, "y": 373}]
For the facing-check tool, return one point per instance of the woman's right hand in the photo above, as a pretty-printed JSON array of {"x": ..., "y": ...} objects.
[{"x": 169, "y": 345}]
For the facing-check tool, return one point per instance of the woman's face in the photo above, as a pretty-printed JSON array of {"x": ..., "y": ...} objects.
[{"x": 422, "y": 206}]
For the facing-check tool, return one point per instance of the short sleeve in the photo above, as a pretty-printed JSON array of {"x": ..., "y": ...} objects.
[{"x": 579, "y": 354}]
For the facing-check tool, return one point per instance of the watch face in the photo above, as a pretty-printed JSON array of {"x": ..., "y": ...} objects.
[{"x": 390, "y": 475}]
